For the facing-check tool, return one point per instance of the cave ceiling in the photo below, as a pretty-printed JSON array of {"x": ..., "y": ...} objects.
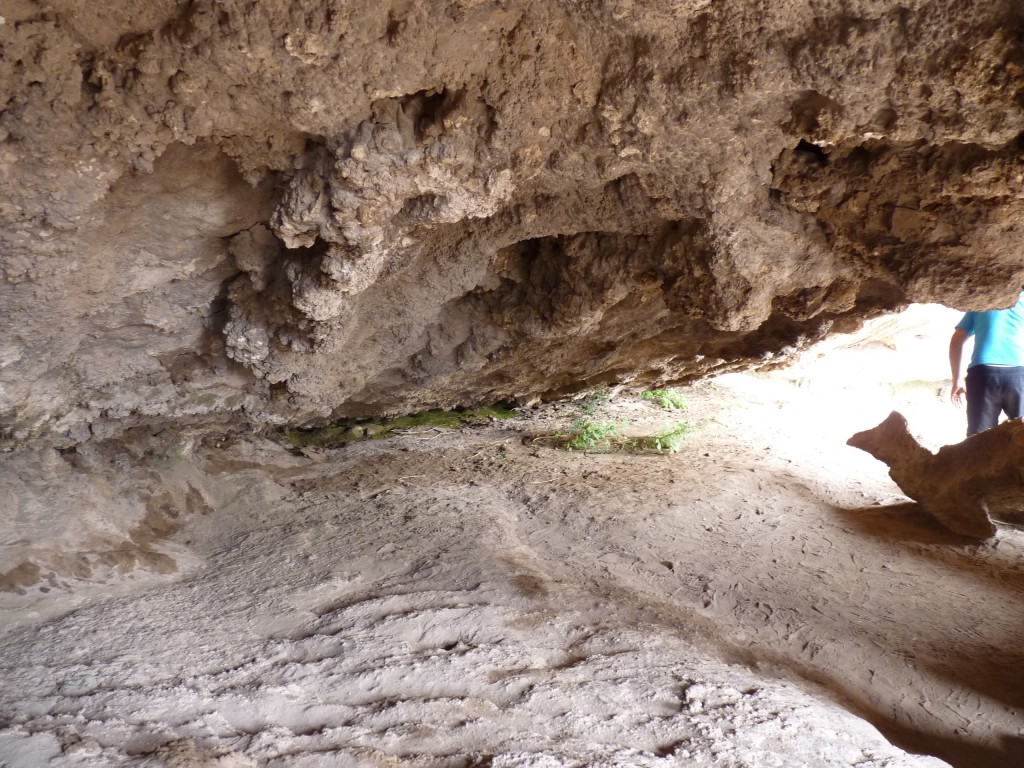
[{"x": 290, "y": 212}]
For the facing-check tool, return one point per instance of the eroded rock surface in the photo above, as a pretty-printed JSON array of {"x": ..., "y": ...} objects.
[
  {"x": 964, "y": 485},
  {"x": 288, "y": 212}
]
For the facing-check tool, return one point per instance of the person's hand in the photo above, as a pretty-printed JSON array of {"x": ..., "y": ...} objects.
[{"x": 956, "y": 394}]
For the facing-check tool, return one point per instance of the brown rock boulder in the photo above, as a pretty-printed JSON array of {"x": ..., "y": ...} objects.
[{"x": 964, "y": 485}]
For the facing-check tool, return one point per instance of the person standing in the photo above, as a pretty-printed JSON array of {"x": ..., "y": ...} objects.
[{"x": 995, "y": 375}]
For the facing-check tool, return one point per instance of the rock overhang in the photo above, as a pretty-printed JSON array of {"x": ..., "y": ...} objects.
[{"x": 223, "y": 210}]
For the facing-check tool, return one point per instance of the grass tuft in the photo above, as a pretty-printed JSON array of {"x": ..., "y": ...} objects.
[
  {"x": 669, "y": 440},
  {"x": 669, "y": 399},
  {"x": 605, "y": 437},
  {"x": 587, "y": 435}
]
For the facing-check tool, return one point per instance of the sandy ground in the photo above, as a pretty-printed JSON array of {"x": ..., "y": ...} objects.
[{"x": 764, "y": 597}]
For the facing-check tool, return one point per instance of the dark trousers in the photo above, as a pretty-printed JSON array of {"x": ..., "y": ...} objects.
[{"x": 992, "y": 389}]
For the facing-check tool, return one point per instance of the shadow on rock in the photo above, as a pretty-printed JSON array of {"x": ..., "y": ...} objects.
[
  {"x": 959, "y": 753},
  {"x": 907, "y": 522}
]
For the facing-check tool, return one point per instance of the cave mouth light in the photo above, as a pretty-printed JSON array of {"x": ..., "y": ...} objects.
[{"x": 898, "y": 362}]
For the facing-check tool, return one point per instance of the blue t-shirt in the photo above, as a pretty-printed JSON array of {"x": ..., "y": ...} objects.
[{"x": 998, "y": 335}]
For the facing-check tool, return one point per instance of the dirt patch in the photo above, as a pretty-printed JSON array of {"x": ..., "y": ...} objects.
[{"x": 19, "y": 577}]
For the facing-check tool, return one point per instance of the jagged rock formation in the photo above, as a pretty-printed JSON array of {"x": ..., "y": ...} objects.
[
  {"x": 288, "y": 212},
  {"x": 962, "y": 485}
]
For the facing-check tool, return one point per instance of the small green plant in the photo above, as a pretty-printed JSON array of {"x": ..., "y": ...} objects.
[
  {"x": 668, "y": 440},
  {"x": 605, "y": 437},
  {"x": 588, "y": 433},
  {"x": 669, "y": 399},
  {"x": 585, "y": 435}
]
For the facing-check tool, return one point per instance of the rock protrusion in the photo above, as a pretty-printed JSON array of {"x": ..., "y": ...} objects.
[{"x": 965, "y": 485}]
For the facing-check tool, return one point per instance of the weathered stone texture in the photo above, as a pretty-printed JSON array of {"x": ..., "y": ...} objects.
[
  {"x": 964, "y": 485},
  {"x": 291, "y": 211}
]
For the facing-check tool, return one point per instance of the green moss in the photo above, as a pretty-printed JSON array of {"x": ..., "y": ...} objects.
[
  {"x": 345, "y": 432},
  {"x": 496, "y": 411},
  {"x": 324, "y": 437},
  {"x": 424, "y": 419}
]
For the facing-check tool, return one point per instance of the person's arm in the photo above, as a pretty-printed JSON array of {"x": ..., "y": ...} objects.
[{"x": 956, "y": 353}]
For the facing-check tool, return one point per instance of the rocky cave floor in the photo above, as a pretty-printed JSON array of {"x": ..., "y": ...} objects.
[{"x": 476, "y": 597}]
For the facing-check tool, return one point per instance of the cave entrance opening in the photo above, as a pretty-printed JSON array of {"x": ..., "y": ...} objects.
[{"x": 895, "y": 362}]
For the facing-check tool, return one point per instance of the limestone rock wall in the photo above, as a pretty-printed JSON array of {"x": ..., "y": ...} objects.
[{"x": 224, "y": 209}]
